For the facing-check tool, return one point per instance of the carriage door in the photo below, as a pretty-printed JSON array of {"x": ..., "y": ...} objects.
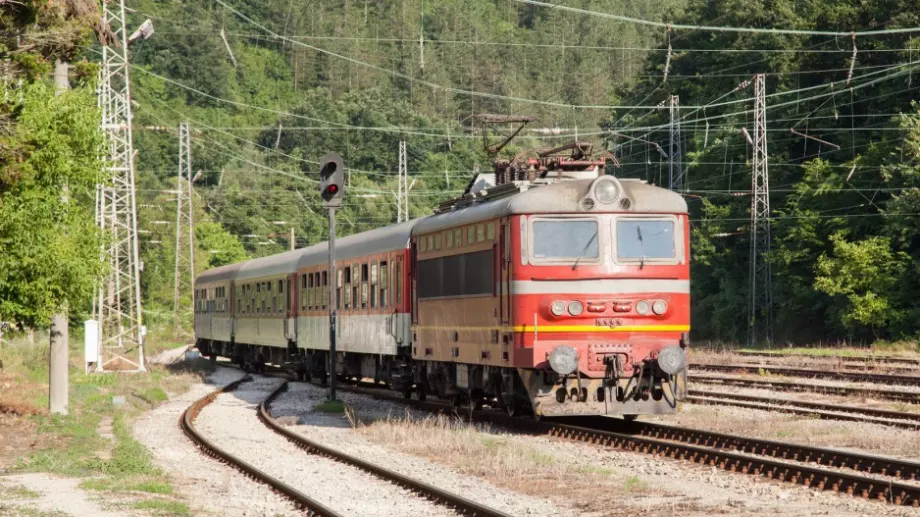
[
  {"x": 401, "y": 324},
  {"x": 504, "y": 273},
  {"x": 290, "y": 323}
]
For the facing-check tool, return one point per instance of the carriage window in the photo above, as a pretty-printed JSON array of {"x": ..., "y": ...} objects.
[
  {"x": 338, "y": 288},
  {"x": 325, "y": 288},
  {"x": 347, "y": 287},
  {"x": 480, "y": 232},
  {"x": 311, "y": 294},
  {"x": 383, "y": 284},
  {"x": 450, "y": 239},
  {"x": 490, "y": 231},
  {"x": 364, "y": 285},
  {"x": 470, "y": 234},
  {"x": 437, "y": 241},
  {"x": 458, "y": 237},
  {"x": 567, "y": 239},
  {"x": 374, "y": 279},
  {"x": 641, "y": 240},
  {"x": 355, "y": 286}
]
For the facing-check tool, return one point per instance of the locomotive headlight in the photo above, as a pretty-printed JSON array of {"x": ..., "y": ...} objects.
[
  {"x": 659, "y": 307},
  {"x": 672, "y": 359},
  {"x": 576, "y": 308},
  {"x": 557, "y": 308},
  {"x": 606, "y": 190},
  {"x": 642, "y": 308},
  {"x": 563, "y": 359}
]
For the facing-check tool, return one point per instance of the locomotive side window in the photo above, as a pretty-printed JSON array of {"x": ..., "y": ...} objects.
[
  {"x": 641, "y": 240},
  {"x": 565, "y": 239}
]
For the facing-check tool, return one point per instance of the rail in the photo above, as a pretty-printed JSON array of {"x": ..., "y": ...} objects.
[
  {"x": 310, "y": 506},
  {"x": 800, "y": 372},
  {"x": 458, "y": 503}
]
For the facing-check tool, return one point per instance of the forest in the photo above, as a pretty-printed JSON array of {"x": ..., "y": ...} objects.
[{"x": 268, "y": 87}]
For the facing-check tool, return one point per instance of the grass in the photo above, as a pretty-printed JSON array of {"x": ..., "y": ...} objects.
[
  {"x": 636, "y": 484},
  {"x": 330, "y": 406},
  {"x": 160, "y": 507},
  {"x": 7, "y": 510},
  {"x": 71, "y": 445},
  {"x": 17, "y": 492}
]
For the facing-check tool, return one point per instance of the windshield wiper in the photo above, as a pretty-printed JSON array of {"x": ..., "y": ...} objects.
[
  {"x": 641, "y": 246},
  {"x": 583, "y": 250}
]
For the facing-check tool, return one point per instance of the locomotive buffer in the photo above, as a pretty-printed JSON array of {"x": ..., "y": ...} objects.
[{"x": 332, "y": 190}]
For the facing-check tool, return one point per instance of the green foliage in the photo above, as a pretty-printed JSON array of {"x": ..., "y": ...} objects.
[
  {"x": 862, "y": 276},
  {"x": 47, "y": 233},
  {"x": 221, "y": 245}
]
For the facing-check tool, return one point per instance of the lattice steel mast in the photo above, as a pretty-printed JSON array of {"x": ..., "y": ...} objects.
[
  {"x": 760, "y": 314},
  {"x": 117, "y": 305},
  {"x": 402, "y": 193},
  {"x": 675, "y": 167},
  {"x": 185, "y": 236}
]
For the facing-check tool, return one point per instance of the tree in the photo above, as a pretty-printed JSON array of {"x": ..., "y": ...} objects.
[
  {"x": 862, "y": 277},
  {"x": 49, "y": 244}
]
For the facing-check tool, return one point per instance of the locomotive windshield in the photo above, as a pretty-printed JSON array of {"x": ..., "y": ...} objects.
[
  {"x": 565, "y": 239},
  {"x": 642, "y": 240}
]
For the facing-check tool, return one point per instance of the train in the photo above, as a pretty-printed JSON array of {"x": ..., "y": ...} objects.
[{"x": 550, "y": 288}]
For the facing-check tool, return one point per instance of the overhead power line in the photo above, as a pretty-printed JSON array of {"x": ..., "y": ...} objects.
[{"x": 715, "y": 28}]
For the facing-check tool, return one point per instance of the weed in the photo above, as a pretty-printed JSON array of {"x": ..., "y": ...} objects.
[
  {"x": 330, "y": 406},
  {"x": 7, "y": 510},
  {"x": 17, "y": 492},
  {"x": 636, "y": 484},
  {"x": 595, "y": 470},
  {"x": 163, "y": 508}
]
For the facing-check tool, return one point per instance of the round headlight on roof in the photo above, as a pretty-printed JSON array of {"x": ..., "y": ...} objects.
[
  {"x": 606, "y": 190},
  {"x": 563, "y": 359}
]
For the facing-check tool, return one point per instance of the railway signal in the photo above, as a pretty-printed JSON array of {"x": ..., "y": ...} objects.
[
  {"x": 332, "y": 190},
  {"x": 332, "y": 180}
]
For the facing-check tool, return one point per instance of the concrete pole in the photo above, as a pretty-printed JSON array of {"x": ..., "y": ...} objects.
[
  {"x": 58, "y": 383},
  {"x": 293, "y": 242}
]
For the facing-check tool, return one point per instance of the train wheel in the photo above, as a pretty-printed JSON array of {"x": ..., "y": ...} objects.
[
  {"x": 407, "y": 393},
  {"x": 421, "y": 392},
  {"x": 213, "y": 357}
]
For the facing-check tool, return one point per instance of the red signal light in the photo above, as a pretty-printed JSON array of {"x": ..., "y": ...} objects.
[{"x": 332, "y": 189}]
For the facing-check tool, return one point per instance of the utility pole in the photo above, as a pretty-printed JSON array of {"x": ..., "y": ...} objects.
[
  {"x": 675, "y": 168},
  {"x": 293, "y": 243},
  {"x": 117, "y": 305},
  {"x": 185, "y": 232},
  {"x": 402, "y": 193},
  {"x": 760, "y": 314},
  {"x": 57, "y": 371}
]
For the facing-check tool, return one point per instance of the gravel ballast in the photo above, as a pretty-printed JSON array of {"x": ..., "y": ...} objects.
[
  {"x": 231, "y": 423},
  {"x": 212, "y": 488}
]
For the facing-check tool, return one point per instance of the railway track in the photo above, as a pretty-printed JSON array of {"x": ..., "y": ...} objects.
[
  {"x": 821, "y": 410},
  {"x": 460, "y": 504},
  {"x": 801, "y": 372},
  {"x": 900, "y": 396},
  {"x": 310, "y": 506},
  {"x": 860, "y": 475},
  {"x": 891, "y": 359}
]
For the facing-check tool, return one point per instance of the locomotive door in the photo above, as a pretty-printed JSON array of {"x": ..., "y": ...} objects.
[{"x": 504, "y": 273}]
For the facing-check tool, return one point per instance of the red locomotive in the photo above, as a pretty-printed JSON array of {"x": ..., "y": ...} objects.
[{"x": 552, "y": 290}]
